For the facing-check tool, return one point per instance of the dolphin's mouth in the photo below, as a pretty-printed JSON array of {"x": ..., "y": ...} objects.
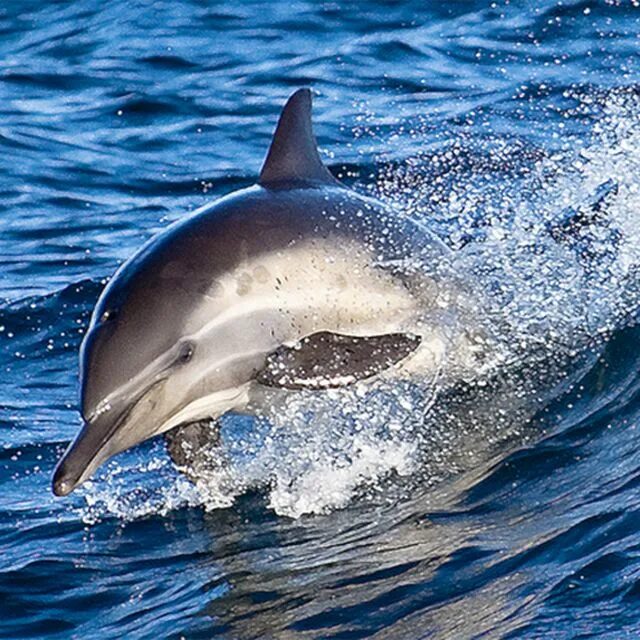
[
  {"x": 87, "y": 452},
  {"x": 91, "y": 447},
  {"x": 76, "y": 462}
]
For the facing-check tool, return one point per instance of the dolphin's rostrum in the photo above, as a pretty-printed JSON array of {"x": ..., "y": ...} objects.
[{"x": 296, "y": 282}]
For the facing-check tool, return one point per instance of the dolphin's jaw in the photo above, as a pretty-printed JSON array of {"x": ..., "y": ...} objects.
[
  {"x": 76, "y": 458},
  {"x": 66, "y": 479},
  {"x": 210, "y": 406},
  {"x": 64, "y": 484}
]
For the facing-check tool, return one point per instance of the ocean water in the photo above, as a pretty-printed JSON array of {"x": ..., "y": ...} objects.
[{"x": 483, "y": 515}]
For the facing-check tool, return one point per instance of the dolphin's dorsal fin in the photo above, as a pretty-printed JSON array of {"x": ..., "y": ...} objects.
[{"x": 293, "y": 155}]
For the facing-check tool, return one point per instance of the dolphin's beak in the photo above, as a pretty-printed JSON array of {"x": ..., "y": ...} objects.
[
  {"x": 104, "y": 434},
  {"x": 92, "y": 446}
]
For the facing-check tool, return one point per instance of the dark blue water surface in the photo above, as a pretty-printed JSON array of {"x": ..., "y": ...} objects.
[{"x": 483, "y": 118}]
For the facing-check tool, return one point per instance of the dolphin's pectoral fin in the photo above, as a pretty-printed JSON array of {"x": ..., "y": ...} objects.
[
  {"x": 293, "y": 155},
  {"x": 328, "y": 360},
  {"x": 189, "y": 444}
]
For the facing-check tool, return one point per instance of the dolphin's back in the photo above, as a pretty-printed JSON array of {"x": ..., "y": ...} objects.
[{"x": 256, "y": 221}]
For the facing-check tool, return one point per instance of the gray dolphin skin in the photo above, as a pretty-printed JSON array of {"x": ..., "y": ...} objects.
[{"x": 294, "y": 283}]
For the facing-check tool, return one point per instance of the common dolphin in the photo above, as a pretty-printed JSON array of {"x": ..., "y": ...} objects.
[{"x": 295, "y": 283}]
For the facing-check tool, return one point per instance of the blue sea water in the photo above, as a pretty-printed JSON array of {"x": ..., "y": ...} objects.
[{"x": 487, "y": 120}]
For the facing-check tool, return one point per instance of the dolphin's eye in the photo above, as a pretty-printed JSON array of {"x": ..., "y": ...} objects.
[
  {"x": 186, "y": 352},
  {"x": 108, "y": 315}
]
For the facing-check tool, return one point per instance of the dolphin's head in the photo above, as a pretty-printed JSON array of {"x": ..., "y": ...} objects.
[
  {"x": 165, "y": 346},
  {"x": 138, "y": 368},
  {"x": 179, "y": 332}
]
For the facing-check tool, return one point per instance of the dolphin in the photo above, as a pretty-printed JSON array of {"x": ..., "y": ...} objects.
[{"x": 295, "y": 283}]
